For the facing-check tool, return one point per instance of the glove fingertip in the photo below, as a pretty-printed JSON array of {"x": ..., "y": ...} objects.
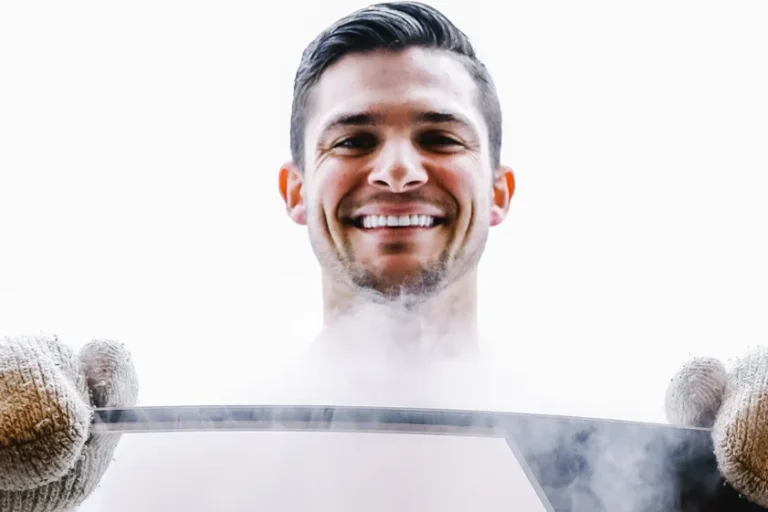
[
  {"x": 110, "y": 373},
  {"x": 695, "y": 393}
]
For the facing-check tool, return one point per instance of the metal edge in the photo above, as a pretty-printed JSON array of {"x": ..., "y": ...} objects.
[{"x": 326, "y": 418}]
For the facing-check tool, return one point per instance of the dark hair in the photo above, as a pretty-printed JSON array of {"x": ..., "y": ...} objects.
[{"x": 390, "y": 26}]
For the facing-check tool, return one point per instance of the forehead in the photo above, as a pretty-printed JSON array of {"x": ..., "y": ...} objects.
[{"x": 395, "y": 83}]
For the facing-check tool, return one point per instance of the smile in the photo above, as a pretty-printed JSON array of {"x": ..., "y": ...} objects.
[{"x": 396, "y": 221}]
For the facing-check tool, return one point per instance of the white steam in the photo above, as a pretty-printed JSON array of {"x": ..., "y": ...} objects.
[{"x": 371, "y": 360}]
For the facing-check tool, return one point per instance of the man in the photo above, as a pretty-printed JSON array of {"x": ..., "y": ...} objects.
[{"x": 396, "y": 138}]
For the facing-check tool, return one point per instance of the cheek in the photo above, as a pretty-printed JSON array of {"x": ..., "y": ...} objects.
[
  {"x": 464, "y": 185},
  {"x": 333, "y": 183},
  {"x": 471, "y": 188}
]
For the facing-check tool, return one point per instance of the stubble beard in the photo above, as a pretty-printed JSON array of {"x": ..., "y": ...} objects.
[
  {"x": 408, "y": 291},
  {"x": 405, "y": 291}
]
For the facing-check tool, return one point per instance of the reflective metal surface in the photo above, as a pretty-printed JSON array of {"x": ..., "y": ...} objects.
[{"x": 572, "y": 464}]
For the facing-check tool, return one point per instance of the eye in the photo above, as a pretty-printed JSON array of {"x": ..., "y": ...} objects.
[
  {"x": 357, "y": 143},
  {"x": 439, "y": 140}
]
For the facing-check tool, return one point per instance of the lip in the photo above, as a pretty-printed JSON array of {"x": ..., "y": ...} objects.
[
  {"x": 397, "y": 210},
  {"x": 392, "y": 233}
]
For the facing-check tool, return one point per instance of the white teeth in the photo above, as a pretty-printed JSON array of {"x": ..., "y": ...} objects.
[{"x": 378, "y": 221}]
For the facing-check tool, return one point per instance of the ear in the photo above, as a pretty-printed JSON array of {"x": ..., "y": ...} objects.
[
  {"x": 291, "y": 189},
  {"x": 503, "y": 190}
]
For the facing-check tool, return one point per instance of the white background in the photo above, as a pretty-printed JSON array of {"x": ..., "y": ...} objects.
[{"x": 140, "y": 144}]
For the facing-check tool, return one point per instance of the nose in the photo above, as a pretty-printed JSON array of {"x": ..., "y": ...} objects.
[{"x": 399, "y": 169}]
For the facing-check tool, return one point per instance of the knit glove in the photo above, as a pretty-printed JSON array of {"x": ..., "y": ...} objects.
[
  {"x": 48, "y": 459},
  {"x": 734, "y": 403}
]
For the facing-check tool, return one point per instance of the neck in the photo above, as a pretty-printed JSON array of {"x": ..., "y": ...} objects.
[{"x": 444, "y": 324}]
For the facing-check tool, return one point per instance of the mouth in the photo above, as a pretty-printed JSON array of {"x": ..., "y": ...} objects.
[{"x": 373, "y": 222}]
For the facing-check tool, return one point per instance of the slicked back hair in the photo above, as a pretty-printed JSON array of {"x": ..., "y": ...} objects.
[{"x": 390, "y": 26}]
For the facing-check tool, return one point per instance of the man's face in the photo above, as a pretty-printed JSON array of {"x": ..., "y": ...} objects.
[{"x": 397, "y": 190}]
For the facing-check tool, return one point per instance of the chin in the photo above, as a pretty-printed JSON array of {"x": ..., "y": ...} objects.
[{"x": 401, "y": 282}]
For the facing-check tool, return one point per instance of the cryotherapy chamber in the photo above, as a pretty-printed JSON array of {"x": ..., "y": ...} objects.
[{"x": 291, "y": 458}]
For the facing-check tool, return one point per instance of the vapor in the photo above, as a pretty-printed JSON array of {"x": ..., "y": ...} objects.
[{"x": 372, "y": 361}]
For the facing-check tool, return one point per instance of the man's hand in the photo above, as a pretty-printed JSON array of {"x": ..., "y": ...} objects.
[
  {"x": 734, "y": 403},
  {"x": 49, "y": 461}
]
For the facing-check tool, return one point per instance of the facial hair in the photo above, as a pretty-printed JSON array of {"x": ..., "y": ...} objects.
[
  {"x": 416, "y": 288},
  {"x": 409, "y": 292}
]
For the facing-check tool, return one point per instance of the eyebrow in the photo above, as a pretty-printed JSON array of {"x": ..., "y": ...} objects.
[
  {"x": 374, "y": 118},
  {"x": 441, "y": 117},
  {"x": 361, "y": 119}
]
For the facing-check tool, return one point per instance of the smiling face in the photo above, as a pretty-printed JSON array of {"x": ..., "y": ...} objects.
[{"x": 397, "y": 190}]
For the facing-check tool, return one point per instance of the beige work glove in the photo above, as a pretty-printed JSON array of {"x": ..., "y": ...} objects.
[
  {"x": 734, "y": 403},
  {"x": 49, "y": 461}
]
